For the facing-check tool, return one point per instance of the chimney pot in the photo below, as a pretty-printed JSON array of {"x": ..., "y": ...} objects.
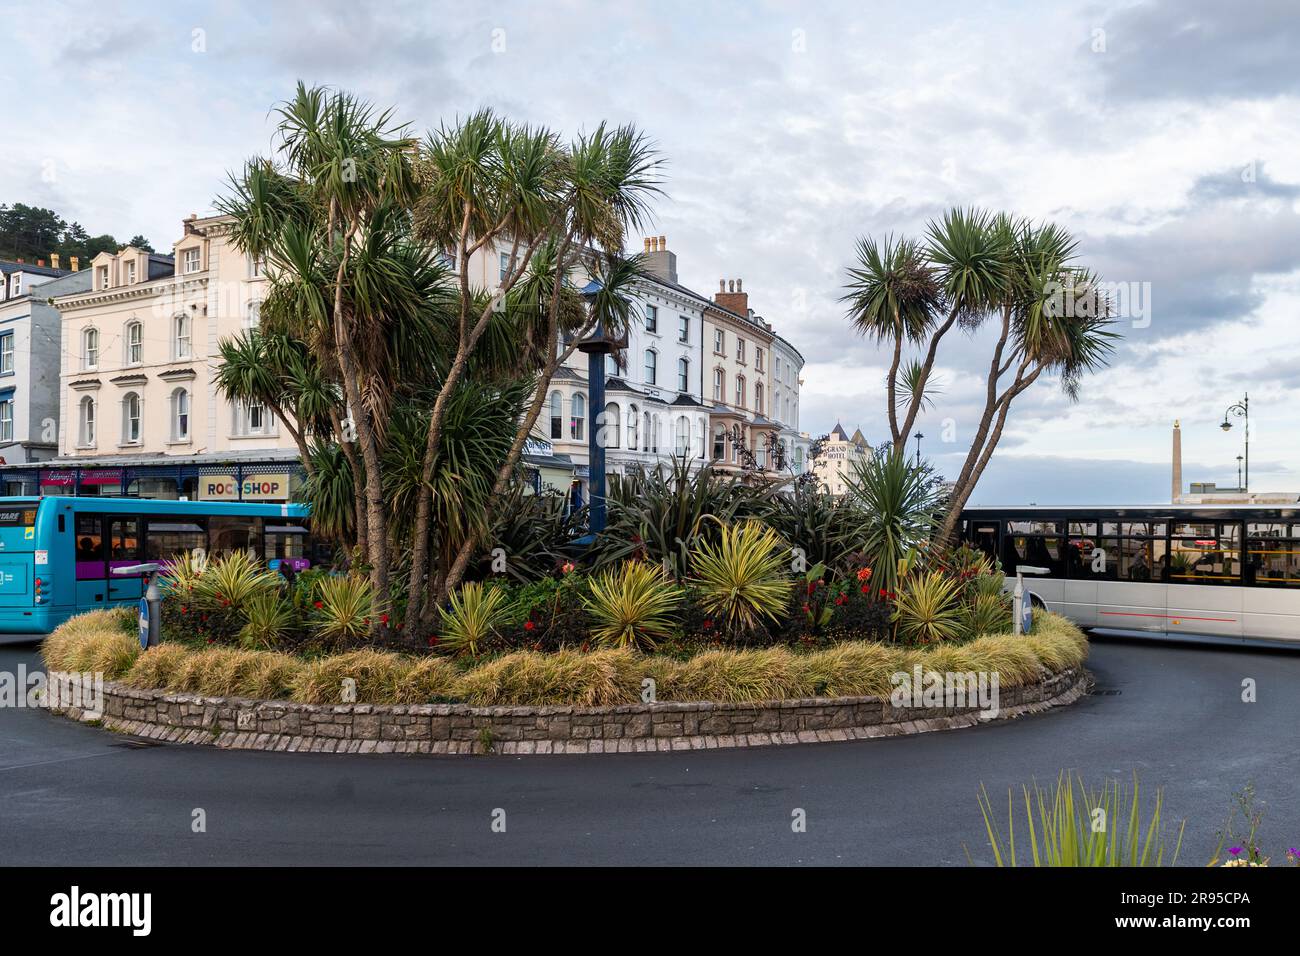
[
  {"x": 663, "y": 243},
  {"x": 54, "y": 260},
  {"x": 41, "y": 263},
  {"x": 20, "y": 258},
  {"x": 740, "y": 285},
  {"x": 647, "y": 244},
  {"x": 731, "y": 285},
  {"x": 722, "y": 285},
  {"x": 73, "y": 261}
]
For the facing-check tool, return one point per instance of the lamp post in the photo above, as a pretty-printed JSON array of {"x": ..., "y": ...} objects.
[
  {"x": 1238, "y": 471},
  {"x": 597, "y": 346},
  {"x": 1240, "y": 410},
  {"x": 918, "y": 436}
]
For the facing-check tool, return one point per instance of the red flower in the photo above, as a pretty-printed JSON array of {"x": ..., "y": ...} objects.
[
  {"x": 212, "y": 640},
  {"x": 805, "y": 608},
  {"x": 433, "y": 640},
  {"x": 383, "y": 618},
  {"x": 864, "y": 589},
  {"x": 864, "y": 574},
  {"x": 707, "y": 624},
  {"x": 319, "y": 605},
  {"x": 529, "y": 625},
  {"x": 184, "y": 609},
  {"x": 883, "y": 592}
]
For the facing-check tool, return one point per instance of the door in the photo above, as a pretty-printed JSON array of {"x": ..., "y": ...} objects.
[
  {"x": 92, "y": 578},
  {"x": 124, "y": 550}
]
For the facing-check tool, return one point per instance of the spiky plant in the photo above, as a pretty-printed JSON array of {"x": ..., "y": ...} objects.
[
  {"x": 928, "y": 609},
  {"x": 742, "y": 579},
  {"x": 474, "y": 610},
  {"x": 632, "y": 606},
  {"x": 266, "y": 619},
  {"x": 344, "y": 606},
  {"x": 232, "y": 580}
]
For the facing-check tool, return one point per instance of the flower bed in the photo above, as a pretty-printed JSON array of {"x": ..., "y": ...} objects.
[{"x": 103, "y": 642}]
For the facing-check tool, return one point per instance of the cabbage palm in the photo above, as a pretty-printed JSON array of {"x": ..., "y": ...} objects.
[{"x": 895, "y": 500}]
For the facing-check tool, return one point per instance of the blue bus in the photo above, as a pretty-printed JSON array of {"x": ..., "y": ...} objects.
[{"x": 57, "y": 553}]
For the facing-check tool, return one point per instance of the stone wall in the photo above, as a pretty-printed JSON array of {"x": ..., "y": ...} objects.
[{"x": 237, "y": 723}]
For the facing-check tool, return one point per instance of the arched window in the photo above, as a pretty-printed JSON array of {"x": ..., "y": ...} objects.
[
  {"x": 798, "y": 460},
  {"x": 86, "y": 435},
  {"x": 654, "y": 434},
  {"x": 181, "y": 338},
  {"x": 180, "y": 410},
  {"x": 633, "y": 418},
  {"x": 610, "y": 427},
  {"x": 134, "y": 339},
  {"x": 719, "y": 442},
  {"x": 90, "y": 348},
  {"x": 645, "y": 432},
  {"x": 718, "y": 385},
  {"x": 651, "y": 366},
  {"x": 682, "y": 436},
  {"x": 578, "y": 417},
  {"x": 740, "y": 391},
  {"x": 131, "y": 418},
  {"x": 683, "y": 375},
  {"x": 557, "y": 415},
  {"x": 758, "y": 397}
]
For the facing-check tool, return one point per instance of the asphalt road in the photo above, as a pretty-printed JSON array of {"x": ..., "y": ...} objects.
[{"x": 77, "y": 795}]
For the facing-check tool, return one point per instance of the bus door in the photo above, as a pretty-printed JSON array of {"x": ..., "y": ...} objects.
[
  {"x": 123, "y": 551},
  {"x": 17, "y": 552},
  {"x": 92, "y": 578}
]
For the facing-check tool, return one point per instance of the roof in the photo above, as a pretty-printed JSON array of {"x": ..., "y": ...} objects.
[
  {"x": 686, "y": 400},
  {"x": 261, "y": 456},
  {"x": 838, "y": 433},
  {"x": 8, "y": 266}
]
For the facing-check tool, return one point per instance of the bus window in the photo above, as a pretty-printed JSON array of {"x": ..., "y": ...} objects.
[
  {"x": 165, "y": 538},
  {"x": 1036, "y": 543},
  {"x": 90, "y": 546},
  {"x": 234, "y": 534},
  {"x": 1142, "y": 555},
  {"x": 124, "y": 540},
  {"x": 1274, "y": 555},
  {"x": 286, "y": 540},
  {"x": 1205, "y": 553}
]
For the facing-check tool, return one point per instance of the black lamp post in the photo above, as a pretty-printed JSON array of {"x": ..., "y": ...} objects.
[
  {"x": 1238, "y": 471},
  {"x": 598, "y": 345},
  {"x": 1240, "y": 410},
  {"x": 918, "y": 436}
]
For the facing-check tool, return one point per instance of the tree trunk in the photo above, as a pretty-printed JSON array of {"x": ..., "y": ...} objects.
[{"x": 914, "y": 406}]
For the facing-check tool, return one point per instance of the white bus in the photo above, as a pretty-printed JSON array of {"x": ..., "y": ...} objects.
[{"x": 1220, "y": 573}]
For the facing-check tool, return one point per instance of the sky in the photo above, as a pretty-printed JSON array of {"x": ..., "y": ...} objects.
[{"x": 1164, "y": 135}]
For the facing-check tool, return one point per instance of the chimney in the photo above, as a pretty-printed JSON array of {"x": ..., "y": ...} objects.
[
  {"x": 41, "y": 263},
  {"x": 72, "y": 261},
  {"x": 1178, "y": 464},
  {"x": 54, "y": 260},
  {"x": 20, "y": 258},
  {"x": 733, "y": 297},
  {"x": 659, "y": 261}
]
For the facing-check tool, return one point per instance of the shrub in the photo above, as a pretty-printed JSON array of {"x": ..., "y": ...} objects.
[
  {"x": 611, "y": 676},
  {"x": 156, "y": 667},
  {"x": 341, "y": 613},
  {"x": 59, "y": 648},
  {"x": 429, "y": 680},
  {"x": 380, "y": 678},
  {"x": 986, "y": 614},
  {"x": 547, "y": 614},
  {"x": 471, "y": 618},
  {"x": 851, "y": 670},
  {"x": 232, "y": 581},
  {"x": 742, "y": 579},
  {"x": 927, "y": 609},
  {"x": 267, "y": 618},
  {"x": 633, "y": 606},
  {"x": 727, "y": 675}
]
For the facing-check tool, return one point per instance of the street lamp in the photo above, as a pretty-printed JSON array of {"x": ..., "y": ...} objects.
[
  {"x": 1240, "y": 410},
  {"x": 1238, "y": 471},
  {"x": 598, "y": 345},
  {"x": 918, "y": 436}
]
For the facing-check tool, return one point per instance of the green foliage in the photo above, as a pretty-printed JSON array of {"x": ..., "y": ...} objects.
[
  {"x": 471, "y": 618},
  {"x": 662, "y": 517},
  {"x": 742, "y": 578},
  {"x": 344, "y": 604},
  {"x": 632, "y": 606},
  {"x": 230, "y": 581},
  {"x": 267, "y": 618},
  {"x": 928, "y": 610},
  {"x": 1072, "y": 825},
  {"x": 896, "y": 500}
]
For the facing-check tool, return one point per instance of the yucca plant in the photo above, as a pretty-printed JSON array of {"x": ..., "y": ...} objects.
[
  {"x": 471, "y": 617},
  {"x": 343, "y": 607},
  {"x": 632, "y": 606},
  {"x": 232, "y": 581},
  {"x": 742, "y": 578},
  {"x": 266, "y": 619},
  {"x": 180, "y": 572},
  {"x": 986, "y": 614},
  {"x": 928, "y": 610},
  {"x": 1066, "y": 827}
]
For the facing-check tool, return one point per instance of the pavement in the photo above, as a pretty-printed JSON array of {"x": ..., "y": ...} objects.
[{"x": 77, "y": 795}]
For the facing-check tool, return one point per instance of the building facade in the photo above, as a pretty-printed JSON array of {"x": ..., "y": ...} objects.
[
  {"x": 139, "y": 411},
  {"x": 30, "y": 347},
  {"x": 838, "y": 459}
]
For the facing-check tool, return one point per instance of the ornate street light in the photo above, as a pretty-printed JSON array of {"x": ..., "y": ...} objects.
[
  {"x": 597, "y": 345},
  {"x": 918, "y": 436},
  {"x": 1240, "y": 410}
]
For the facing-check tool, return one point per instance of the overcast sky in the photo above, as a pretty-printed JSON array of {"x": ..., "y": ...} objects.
[{"x": 1164, "y": 134}]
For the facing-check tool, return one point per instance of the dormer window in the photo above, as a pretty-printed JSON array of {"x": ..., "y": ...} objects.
[
  {"x": 191, "y": 260},
  {"x": 103, "y": 277},
  {"x": 130, "y": 272}
]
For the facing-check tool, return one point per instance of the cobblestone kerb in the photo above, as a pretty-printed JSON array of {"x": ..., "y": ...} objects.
[{"x": 241, "y": 724}]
